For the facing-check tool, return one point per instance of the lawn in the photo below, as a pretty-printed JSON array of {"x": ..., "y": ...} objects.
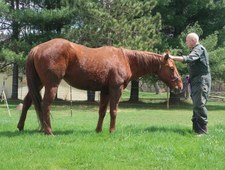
[{"x": 148, "y": 136}]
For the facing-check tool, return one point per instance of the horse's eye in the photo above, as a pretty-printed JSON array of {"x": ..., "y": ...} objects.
[{"x": 172, "y": 68}]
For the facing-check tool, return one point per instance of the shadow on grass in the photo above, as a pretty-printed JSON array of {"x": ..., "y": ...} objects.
[
  {"x": 73, "y": 132},
  {"x": 37, "y": 132},
  {"x": 180, "y": 131},
  {"x": 152, "y": 129},
  {"x": 18, "y": 133}
]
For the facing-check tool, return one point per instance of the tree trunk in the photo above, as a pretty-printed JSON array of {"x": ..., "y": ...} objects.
[
  {"x": 90, "y": 96},
  {"x": 134, "y": 93},
  {"x": 15, "y": 81},
  {"x": 15, "y": 36}
]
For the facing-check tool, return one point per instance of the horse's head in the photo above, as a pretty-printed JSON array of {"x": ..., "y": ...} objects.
[{"x": 168, "y": 74}]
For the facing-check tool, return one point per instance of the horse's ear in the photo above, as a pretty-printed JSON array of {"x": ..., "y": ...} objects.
[{"x": 166, "y": 56}]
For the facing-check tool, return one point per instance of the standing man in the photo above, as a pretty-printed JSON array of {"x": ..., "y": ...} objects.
[{"x": 200, "y": 81}]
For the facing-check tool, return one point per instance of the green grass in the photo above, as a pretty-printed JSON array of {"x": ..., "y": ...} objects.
[{"x": 148, "y": 136}]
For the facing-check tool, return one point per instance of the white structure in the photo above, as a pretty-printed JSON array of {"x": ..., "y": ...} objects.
[
  {"x": 63, "y": 90},
  {"x": 6, "y": 84}
]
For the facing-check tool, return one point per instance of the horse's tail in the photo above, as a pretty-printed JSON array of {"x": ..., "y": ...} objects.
[{"x": 34, "y": 84}]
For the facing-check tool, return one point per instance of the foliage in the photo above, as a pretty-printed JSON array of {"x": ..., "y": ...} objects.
[
  {"x": 178, "y": 14},
  {"x": 25, "y": 24},
  {"x": 9, "y": 56},
  {"x": 121, "y": 23},
  {"x": 136, "y": 26},
  {"x": 87, "y": 24},
  {"x": 217, "y": 64},
  {"x": 202, "y": 17},
  {"x": 4, "y": 8},
  {"x": 150, "y": 79},
  {"x": 31, "y": 22},
  {"x": 155, "y": 25}
]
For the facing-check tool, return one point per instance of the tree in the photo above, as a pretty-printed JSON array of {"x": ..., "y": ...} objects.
[
  {"x": 14, "y": 6},
  {"x": 142, "y": 25},
  {"x": 126, "y": 23},
  {"x": 203, "y": 17},
  {"x": 27, "y": 23},
  {"x": 138, "y": 29}
]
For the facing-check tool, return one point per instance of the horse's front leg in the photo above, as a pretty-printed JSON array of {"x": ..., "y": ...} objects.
[
  {"x": 49, "y": 96},
  {"x": 104, "y": 100},
  {"x": 115, "y": 94},
  {"x": 26, "y": 105}
]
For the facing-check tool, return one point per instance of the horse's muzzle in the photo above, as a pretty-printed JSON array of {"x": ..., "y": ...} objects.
[{"x": 176, "y": 90}]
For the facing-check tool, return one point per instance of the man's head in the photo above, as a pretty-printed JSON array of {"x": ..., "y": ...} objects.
[{"x": 192, "y": 40}]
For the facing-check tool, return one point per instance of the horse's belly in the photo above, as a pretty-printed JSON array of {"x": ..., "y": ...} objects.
[{"x": 86, "y": 84}]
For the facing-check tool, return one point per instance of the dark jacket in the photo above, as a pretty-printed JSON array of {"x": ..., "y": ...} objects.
[{"x": 198, "y": 61}]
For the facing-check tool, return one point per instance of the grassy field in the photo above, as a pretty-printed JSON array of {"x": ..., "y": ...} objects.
[{"x": 148, "y": 136}]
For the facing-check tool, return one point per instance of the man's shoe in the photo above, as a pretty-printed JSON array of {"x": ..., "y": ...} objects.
[
  {"x": 199, "y": 129},
  {"x": 202, "y": 129},
  {"x": 195, "y": 127}
]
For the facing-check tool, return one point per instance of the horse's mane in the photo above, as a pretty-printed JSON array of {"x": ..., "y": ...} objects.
[{"x": 143, "y": 58}]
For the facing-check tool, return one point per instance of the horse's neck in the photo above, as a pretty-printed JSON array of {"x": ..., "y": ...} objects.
[{"x": 142, "y": 62}]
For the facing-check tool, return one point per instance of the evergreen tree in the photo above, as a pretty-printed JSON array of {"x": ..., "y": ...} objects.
[
  {"x": 201, "y": 16},
  {"x": 25, "y": 24},
  {"x": 121, "y": 23}
]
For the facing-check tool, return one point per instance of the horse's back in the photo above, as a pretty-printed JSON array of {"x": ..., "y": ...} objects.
[
  {"x": 95, "y": 68},
  {"x": 81, "y": 66}
]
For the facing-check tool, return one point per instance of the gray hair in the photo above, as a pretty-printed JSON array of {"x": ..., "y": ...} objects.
[{"x": 194, "y": 36}]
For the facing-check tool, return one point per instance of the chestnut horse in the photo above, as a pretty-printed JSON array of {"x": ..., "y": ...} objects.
[{"x": 106, "y": 69}]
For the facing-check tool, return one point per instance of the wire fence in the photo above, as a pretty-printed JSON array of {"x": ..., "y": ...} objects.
[{"x": 67, "y": 93}]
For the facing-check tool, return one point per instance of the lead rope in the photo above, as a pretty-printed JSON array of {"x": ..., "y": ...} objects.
[
  {"x": 71, "y": 102},
  {"x": 167, "y": 98}
]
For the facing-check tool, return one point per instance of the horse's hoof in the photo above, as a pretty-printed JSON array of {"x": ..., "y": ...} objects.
[
  {"x": 20, "y": 127},
  {"x": 98, "y": 130},
  {"x": 48, "y": 131},
  {"x": 112, "y": 130}
]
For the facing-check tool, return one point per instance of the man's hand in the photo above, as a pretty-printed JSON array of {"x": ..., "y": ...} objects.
[
  {"x": 170, "y": 56},
  {"x": 176, "y": 58}
]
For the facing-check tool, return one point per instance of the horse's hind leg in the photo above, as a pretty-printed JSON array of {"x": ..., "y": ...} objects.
[
  {"x": 115, "y": 94},
  {"x": 26, "y": 105},
  {"x": 104, "y": 100},
  {"x": 49, "y": 96}
]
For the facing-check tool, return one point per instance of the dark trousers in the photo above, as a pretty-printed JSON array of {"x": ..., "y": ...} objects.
[{"x": 200, "y": 90}]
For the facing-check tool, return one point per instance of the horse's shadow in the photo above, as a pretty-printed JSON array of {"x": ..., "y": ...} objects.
[
  {"x": 151, "y": 129},
  {"x": 32, "y": 132},
  {"x": 37, "y": 132},
  {"x": 17, "y": 133}
]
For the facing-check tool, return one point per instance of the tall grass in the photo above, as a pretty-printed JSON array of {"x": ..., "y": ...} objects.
[{"x": 147, "y": 137}]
